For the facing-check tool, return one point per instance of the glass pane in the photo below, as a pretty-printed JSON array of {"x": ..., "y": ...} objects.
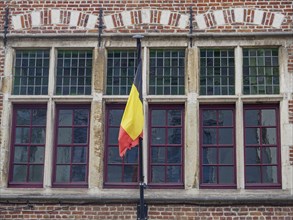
[
  {"x": 130, "y": 174},
  {"x": 20, "y": 154},
  {"x": 173, "y": 174},
  {"x": 253, "y": 174},
  {"x": 158, "y": 136},
  {"x": 62, "y": 173},
  {"x": 113, "y": 135},
  {"x": 36, "y": 173},
  {"x": 19, "y": 173},
  {"x": 63, "y": 155},
  {"x": 209, "y": 174},
  {"x": 131, "y": 155},
  {"x": 209, "y": 155},
  {"x": 209, "y": 118},
  {"x": 37, "y": 154},
  {"x": 268, "y": 117},
  {"x": 174, "y": 136},
  {"x": 174, "y": 155},
  {"x": 252, "y": 118},
  {"x": 269, "y": 155},
  {"x": 64, "y": 135},
  {"x": 78, "y": 173},
  {"x": 80, "y": 135},
  {"x": 39, "y": 116},
  {"x": 38, "y": 135},
  {"x": 252, "y": 136},
  {"x": 225, "y": 117},
  {"x": 209, "y": 136},
  {"x": 115, "y": 116},
  {"x": 174, "y": 117},
  {"x": 158, "y": 154},
  {"x": 65, "y": 117},
  {"x": 22, "y": 135},
  {"x": 269, "y": 136},
  {"x": 225, "y": 135},
  {"x": 81, "y": 117},
  {"x": 113, "y": 155},
  {"x": 23, "y": 117},
  {"x": 270, "y": 174},
  {"x": 158, "y": 174},
  {"x": 226, "y": 155},
  {"x": 79, "y": 154},
  {"x": 226, "y": 175},
  {"x": 114, "y": 173},
  {"x": 158, "y": 117},
  {"x": 252, "y": 155}
]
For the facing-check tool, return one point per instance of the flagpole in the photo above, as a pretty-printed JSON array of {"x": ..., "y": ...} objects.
[{"x": 141, "y": 208}]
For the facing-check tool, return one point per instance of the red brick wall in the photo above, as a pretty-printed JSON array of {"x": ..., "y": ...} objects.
[
  {"x": 24, "y": 7},
  {"x": 128, "y": 212}
]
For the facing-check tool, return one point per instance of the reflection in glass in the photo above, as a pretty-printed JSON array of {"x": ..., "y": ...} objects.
[
  {"x": 23, "y": 117},
  {"x": 64, "y": 135},
  {"x": 39, "y": 116},
  {"x": 210, "y": 118},
  {"x": 63, "y": 155},
  {"x": 62, "y": 173},
  {"x": 81, "y": 116},
  {"x": 252, "y": 155},
  {"x": 20, "y": 154},
  {"x": 79, "y": 155},
  {"x": 173, "y": 174},
  {"x": 174, "y": 155},
  {"x": 158, "y": 174},
  {"x": 78, "y": 173},
  {"x": 21, "y": 135},
  {"x": 37, "y": 154},
  {"x": 252, "y": 117},
  {"x": 269, "y": 155},
  {"x": 80, "y": 135},
  {"x": 209, "y": 174},
  {"x": 225, "y": 118},
  {"x": 209, "y": 136},
  {"x": 252, "y": 136},
  {"x": 268, "y": 117},
  {"x": 269, "y": 174},
  {"x": 174, "y": 136},
  {"x": 158, "y": 154},
  {"x": 65, "y": 117},
  {"x": 174, "y": 117},
  {"x": 269, "y": 136},
  {"x": 158, "y": 135},
  {"x": 38, "y": 135},
  {"x": 209, "y": 155}
]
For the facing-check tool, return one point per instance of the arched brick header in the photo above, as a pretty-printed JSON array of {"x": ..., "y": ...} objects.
[{"x": 81, "y": 20}]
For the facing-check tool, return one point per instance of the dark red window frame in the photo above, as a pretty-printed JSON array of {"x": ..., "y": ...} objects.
[
  {"x": 261, "y": 146},
  {"x": 218, "y": 146},
  {"x": 29, "y": 145},
  {"x": 116, "y": 160},
  {"x": 165, "y": 146},
  {"x": 71, "y": 184}
]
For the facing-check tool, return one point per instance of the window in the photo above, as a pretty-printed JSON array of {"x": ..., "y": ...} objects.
[
  {"x": 74, "y": 72},
  {"x": 119, "y": 172},
  {"x": 260, "y": 71},
  {"x": 31, "y": 70},
  {"x": 217, "y": 147},
  {"x": 262, "y": 146},
  {"x": 217, "y": 72},
  {"x": 166, "y": 145},
  {"x": 71, "y": 146},
  {"x": 167, "y": 72},
  {"x": 120, "y": 71},
  {"x": 28, "y": 145}
]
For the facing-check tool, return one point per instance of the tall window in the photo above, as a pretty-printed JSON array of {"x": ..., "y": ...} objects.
[
  {"x": 260, "y": 71},
  {"x": 167, "y": 70},
  {"x": 166, "y": 145},
  {"x": 31, "y": 70},
  {"x": 262, "y": 146},
  {"x": 71, "y": 146},
  {"x": 28, "y": 145},
  {"x": 74, "y": 72},
  {"x": 121, "y": 67},
  {"x": 217, "y": 72},
  {"x": 119, "y": 172},
  {"x": 217, "y": 147}
]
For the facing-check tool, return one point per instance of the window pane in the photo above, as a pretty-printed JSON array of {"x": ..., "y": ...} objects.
[
  {"x": 79, "y": 155},
  {"x": 270, "y": 174},
  {"x": 158, "y": 136},
  {"x": 209, "y": 155},
  {"x": 174, "y": 155},
  {"x": 269, "y": 136},
  {"x": 78, "y": 173},
  {"x": 38, "y": 135},
  {"x": 39, "y": 116},
  {"x": 81, "y": 116},
  {"x": 269, "y": 155},
  {"x": 253, "y": 174},
  {"x": 131, "y": 155},
  {"x": 209, "y": 136},
  {"x": 209, "y": 117},
  {"x": 113, "y": 135},
  {"x": 64, "y": 136},
  {"x": 226, "y": 156},
  {"x": 252, "y": 136},
  {"x": 23, "y": 117},
  {"x": 113, "y": 155},
  {"x": 226, "y": 175},
  {"x": 225, "y": 118},
  {"x": 63, "y": 155},
  {"x": 174, "y": 117},
  {"x": 252, "y": 118},
  {"x": 63, "y": 173},
  {"x": 252, "y": 155},
  {"x": 158, "y": 154},
  {"x": 114, "y": 173},
  {"x": 20, "y": 154},
  {"x": 130, "y": 174},
  {"x": 37, "y": 154},
  {"x": 225, "y": 135},
  {"x": 209, "y": 174},
  {"x": 173, "y": 174},
  {"x": 36, "y": 173},
  {"x": 115, "y": 116},
  {"x": 22, "y": 135},
  {"x": 158, "y": 174},
  {"x": 19, "y": 173},
  {"x": 268, "y": 117},
  {"x": 158, "y": 117},
  {"x": 80, "y": 135},
  {"x": 65, "y": 117},
  {"x": 174, "y": 136}
]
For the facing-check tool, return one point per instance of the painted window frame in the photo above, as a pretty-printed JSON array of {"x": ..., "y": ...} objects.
[
  {"x": 70, "y": 184},
  {"x": 217, "y": 185}
]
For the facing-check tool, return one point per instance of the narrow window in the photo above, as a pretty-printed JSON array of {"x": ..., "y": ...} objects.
[
  {"x": 260, "y": 71},
  {"x": 217, "y": 72},
  {"x": 167, "y": 69},
  {"x": 28, "y": 146},
  {"x": 262, "y": 146},
  {"x": 166, "y": 146},
  {"x": 119, "y": 172},
  {"x": 121, "y": 66},
  {"x": 74, "y": 72},
  {"x": 31, "y": 70},
  {"x": 217, "y": 147},
  {"x": 71, "y": 146}
]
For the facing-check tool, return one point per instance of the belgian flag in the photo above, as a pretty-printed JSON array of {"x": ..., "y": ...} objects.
[{"x": 131, "y": 126}]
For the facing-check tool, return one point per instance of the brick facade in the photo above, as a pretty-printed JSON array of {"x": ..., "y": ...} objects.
[{"x": 128, "y": 212}]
